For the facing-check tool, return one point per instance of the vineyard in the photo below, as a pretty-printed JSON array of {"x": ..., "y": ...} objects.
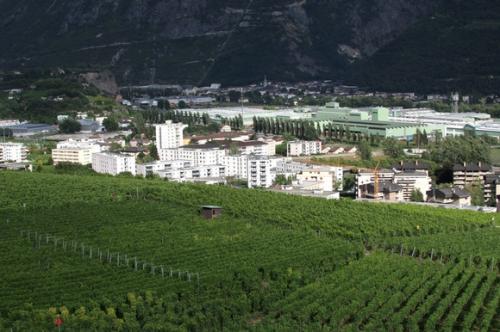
[{"x": 126, "y": 254}]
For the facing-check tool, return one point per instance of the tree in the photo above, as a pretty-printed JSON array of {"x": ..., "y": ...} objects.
[
  {"x": 110, "y": 124},
  {"x": 349, "y": 182},
  {"x": 310, "y": 132},
  {"x": 365, "y": 151},
  {"x": 182, "y": 104},
  {"x": 392, "y": 148},
  {"x": 70, "y": 126},
  {"x": 153, "y": 152},
  {"x": 416, "y": 196},
  {"x": 282, "y": 149},
  {"x": 477, "y": 194},
  {"x": 459, "y": 150},
  {"x": 234, "y": 96}
]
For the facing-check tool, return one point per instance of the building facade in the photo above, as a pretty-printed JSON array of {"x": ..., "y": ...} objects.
[
  {"x": 75, "y": 152},
  {"x": 303, "y": 148},
  {"x": 170, "y": 135},
  {"x": 113, "y": 164},
  {"x": 197, "y": 155},
  {"x": 262, "y": 171},
  {"x": 236, "y": 166},
  {"x": 470, "y": 174},
  {"x": 13, "y": 152}
]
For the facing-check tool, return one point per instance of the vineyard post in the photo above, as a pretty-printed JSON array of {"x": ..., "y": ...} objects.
[
  {"x": 47, "y": 238},
  {"x": 470, "y": 260},
  {"x": 153, "y": 268},
  {"x": 401, "y": 252},
  {"x": 432, "y": 254},
  {"x": 162, "y": 272},
  {"x": 135, "y": 263},
  {"x": 90, "y": 254},
  {"x": 189, "y": 276},
  {"x": 83, "y": 250},
  {"x": 118, "y": 259},
  {"x": 180, "y": 274},
  {"x": 143, "y": 266},
  {"x": 171, "y": 273}
]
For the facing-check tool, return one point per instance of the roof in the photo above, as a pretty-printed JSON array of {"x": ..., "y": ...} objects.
[
  {"x": 411, "y": 165},
  {"x": 207, "y": 146},
  {"x": 221, "y": 135},
  {"x": 211, "y": 207},
  {"x": 472, "y": 167},
  {"x": 450, "y": 193},
  {"x": 385, "y": 187}
]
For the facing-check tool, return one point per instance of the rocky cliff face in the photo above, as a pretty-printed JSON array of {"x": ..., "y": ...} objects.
[{"x": 198, "y": 41}]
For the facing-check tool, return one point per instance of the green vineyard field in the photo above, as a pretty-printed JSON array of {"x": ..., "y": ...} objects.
[{"x": 131, "y": 254}]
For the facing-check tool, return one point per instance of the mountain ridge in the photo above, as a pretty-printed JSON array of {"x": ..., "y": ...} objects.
[{"x": 233, "y": 42}]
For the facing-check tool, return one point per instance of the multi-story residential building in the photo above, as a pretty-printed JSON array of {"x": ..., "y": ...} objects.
[
  {"x": 288, "y": 167},
  {"x": 198, "y": 154},
  {"x": 491, "y": 188},
  {"x": 470, "y": 174},
  {"x": 413, "y": 181},
  {"x": 262, "y": 171},
  {"x": 236, "y": 166},
  {"x": 259, "y": 148},
  {"x": 113, "y": 163},
  {"x": 158, "y": 166},
  {"x": 330, "y": 178},
  {"x": 170, "y": 135},
  {"x": 13, "y": 152},
  {"x": 76, "y": 152},
  {"x": 187, "y": 174},
  {"x": 303, "y": 148}
]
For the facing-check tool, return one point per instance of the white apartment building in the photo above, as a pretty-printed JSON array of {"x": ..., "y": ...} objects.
[
  {"x": 236, "y": 166},
  {"x": 288, "y": 167},
  {"x": 262, "y": 171},
  {"x": 328, "y": 178},
  {"x": 411, "y": 181},
  {"x": 188, "y": 174},
  {"x": 13, "y": 152},
  {"x": 170, "y": 135},
  {"x": 258, "y": 148},
  {"x": 157, "y": 166},
  {"x": 197, "y": 155},
  {"x": 303, "y": 148},
  {"x": 112, "y": 163},
  {"x": 182, "y": 170},
  {"x": 76, "y": 152}
]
